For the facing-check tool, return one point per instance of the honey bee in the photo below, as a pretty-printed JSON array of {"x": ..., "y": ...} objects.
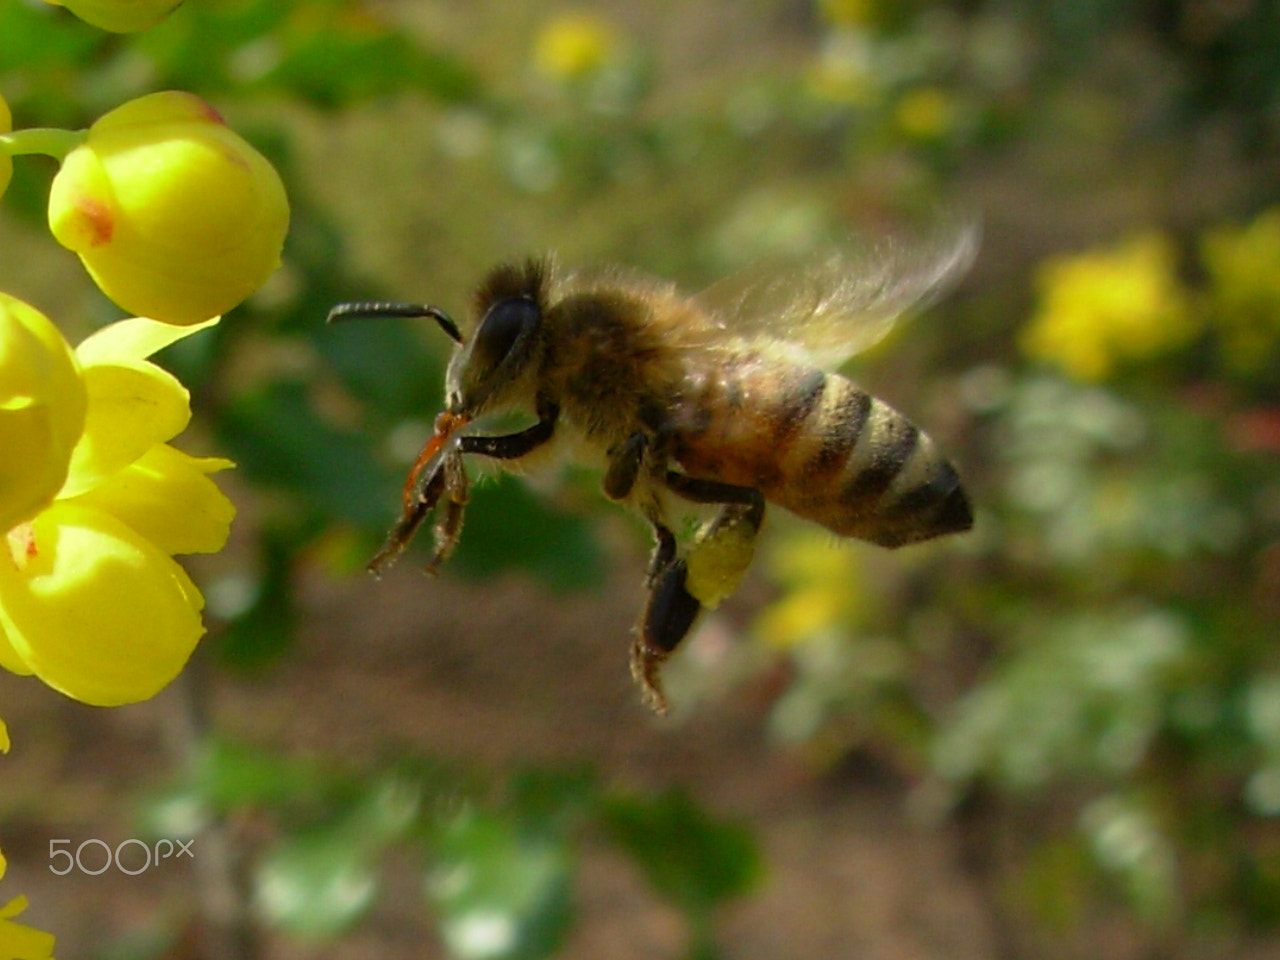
[{"x": 727, "y": 399}]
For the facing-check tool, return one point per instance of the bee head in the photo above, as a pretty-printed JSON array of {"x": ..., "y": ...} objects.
[{"x": 491, "y": 363}]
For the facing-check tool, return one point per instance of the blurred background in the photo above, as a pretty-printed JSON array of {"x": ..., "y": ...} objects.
[{"x": 1057, "y": 736}]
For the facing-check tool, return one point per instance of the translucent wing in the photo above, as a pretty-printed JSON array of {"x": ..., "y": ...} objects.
[{"x": 842, "y": 301}]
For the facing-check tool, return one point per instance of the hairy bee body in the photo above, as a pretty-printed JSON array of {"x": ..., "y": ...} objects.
[
  {"x": 681, "y": 401},
  {"x": 810, "y": 441},
  {"x": 814, "y": 443}
]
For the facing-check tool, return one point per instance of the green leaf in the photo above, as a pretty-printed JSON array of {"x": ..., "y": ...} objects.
[
  {"x": 501, "y": 889},
  {"x": 509, "y": 526},
  {"x": 691, "y": 859},
  {"x": 256, "y": 635},
  {"x": 277, "y": 438},
  {"x": 316, "y": 886},
  {"x": 229, "y": 774},
  {"x": 337, "y": 65},
  {"x": 385, "y": 364},
  {"x": 318, "y": 882}
]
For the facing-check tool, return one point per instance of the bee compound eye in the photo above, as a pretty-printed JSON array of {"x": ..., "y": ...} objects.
[{"x": 506, "y": 324}]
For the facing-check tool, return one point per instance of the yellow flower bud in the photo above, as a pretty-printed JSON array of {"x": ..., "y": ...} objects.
[
  {"x": 6, "y": 161},
  {"x": 96, "y": 610},
  {"x": 42, "y": 411},
  {"x": 119, "y": 16},
  {"x": 174, "y": 215}
]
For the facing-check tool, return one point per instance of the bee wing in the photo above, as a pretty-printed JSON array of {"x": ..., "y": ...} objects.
[{"x": 843, "y": 301}]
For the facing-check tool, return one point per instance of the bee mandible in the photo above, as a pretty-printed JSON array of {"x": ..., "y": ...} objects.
[{"x": 727, "y": 399}]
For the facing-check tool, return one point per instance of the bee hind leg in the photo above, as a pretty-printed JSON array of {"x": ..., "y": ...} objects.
[
  {"x": 681, "y": 588},
  {"x": 666, "y": 621}
]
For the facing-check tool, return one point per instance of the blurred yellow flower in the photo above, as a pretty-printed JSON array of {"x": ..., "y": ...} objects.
[
  {"x": 822, "y": 589},
  {"x": 1103, "y": 307},
  {"x": 119, "y": 16},
  {"x": 1243, "y": 264},
  {"x": 925, "y": 113},
  {"x": 174, "y": 215},
  {"x": 17, "y": 941},
  {"x": 574, "y": 45},
  {"x": 850, "y": 13},
  {"x": 91, "y": 600},
  {"x": 843, "y": 72},
  {"x": 6, "y": 161}
]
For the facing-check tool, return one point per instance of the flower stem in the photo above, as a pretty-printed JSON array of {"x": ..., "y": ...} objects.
[{"x": 51, "y": 141}]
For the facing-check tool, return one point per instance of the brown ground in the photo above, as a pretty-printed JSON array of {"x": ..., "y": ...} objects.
[
  {"x": 458, "y": 671},
  {"x": 848, "y": 875}
]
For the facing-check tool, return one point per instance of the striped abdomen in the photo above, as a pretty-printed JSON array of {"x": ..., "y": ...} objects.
[{"x": 814, "y": 443}]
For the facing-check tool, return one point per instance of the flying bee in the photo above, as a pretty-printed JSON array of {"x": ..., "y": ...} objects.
[{"x": 725, "y": 399}]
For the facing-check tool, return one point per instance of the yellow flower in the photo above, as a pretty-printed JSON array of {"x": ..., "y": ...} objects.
[
  {"x": 174, "y": 215},
  {"x": 844, "y": 71},
  {"x": 1244, "y": 268},
  {"x": 42, "y": 410},
  {"x": 17, "y": 941},
  {"x": 6, "y": 161},
  {"x": 822, "y": 584},
  {"x": 119, "y": 16},
  {"x": 574, "y": 45},
  {"x": 1103, "y": 307},
  {"x": 850, "y": 13},
  {"x": 91, "y": 600},
  {"x": 925, "y": 113}
]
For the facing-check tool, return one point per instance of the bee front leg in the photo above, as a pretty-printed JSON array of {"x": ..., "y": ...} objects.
[
  {"x": 449, "y": 526},
  {"x": 414, "y": 514},
  {"x": 512, "y": 446}
]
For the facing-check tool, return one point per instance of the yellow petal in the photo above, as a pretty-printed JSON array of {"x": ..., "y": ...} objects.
[
  {"x": 42, "y": 410},
  {"x": 9, "y": 658},
  {"x": 4, "y": 748},
  {"x": 134, "y": 339},
  {"x": 132, "y": 407},
  {"x": 166, "y": 496},
  {"x": 20, "y": 941},
  {"x": 96, "y": 610}
]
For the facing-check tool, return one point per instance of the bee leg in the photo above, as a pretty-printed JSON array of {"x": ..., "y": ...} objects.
[
  {"x": 624, "y": 466},
  {"x": 713, "y": 491},
  {"x": 680, "y": 589},
  {"x": 664, "y": 551},
  {"x": 449, "y": 527},
  {"x": 669, "y": 614},
  {"x": 723, "y": 549},
  {"x": 412, "y": 518},
  {"x": 512, "y": 446}
]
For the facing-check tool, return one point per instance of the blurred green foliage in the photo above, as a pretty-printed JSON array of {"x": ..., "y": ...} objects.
[
  {"x": 496, "y": 856},
  {"x": 1100, "y": 652}
]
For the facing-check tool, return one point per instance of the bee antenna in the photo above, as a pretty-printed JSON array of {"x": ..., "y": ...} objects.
[{"x": 367, "y": 309}]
